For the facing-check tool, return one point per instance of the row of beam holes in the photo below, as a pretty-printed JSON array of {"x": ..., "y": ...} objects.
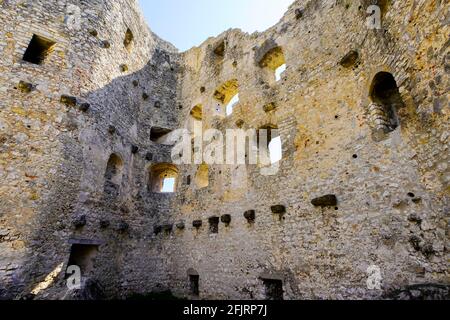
[{"x": 37, "y": 52}]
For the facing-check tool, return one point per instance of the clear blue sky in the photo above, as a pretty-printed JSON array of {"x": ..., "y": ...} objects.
[{"x": 187, "y": 23}]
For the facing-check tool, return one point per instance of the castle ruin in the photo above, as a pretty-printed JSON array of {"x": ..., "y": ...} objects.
[{"x": 89, "y": 96}]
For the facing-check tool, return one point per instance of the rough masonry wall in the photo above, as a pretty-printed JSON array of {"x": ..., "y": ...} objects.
[
  {"x": 392, "y": 194},
  {"x": 78, "y": 173},
  {"x": 54, "y": 155}
]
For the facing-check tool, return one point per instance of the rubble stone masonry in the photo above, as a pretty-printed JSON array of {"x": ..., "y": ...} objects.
[{"x": 87, "y": 91}]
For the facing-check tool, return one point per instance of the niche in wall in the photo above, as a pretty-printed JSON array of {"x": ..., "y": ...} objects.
[
  {"x": 197, "y": 112},
  {"x": 195, "y": 116},
  {"x": 83, "y": 255},
  {"x": 385, "y": 103},
  {"x": 274, "y": 62},
  {"x": 219, "y": 49},
  {"x": 38, "y": 49}
]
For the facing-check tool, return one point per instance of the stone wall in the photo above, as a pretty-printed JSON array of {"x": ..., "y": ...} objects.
[
  {"x": 392, "y": 188},
  {"x": 54, "y": 155}
]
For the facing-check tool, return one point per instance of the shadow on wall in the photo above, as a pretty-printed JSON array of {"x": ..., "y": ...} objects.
[{"x": 117, "y": 125}]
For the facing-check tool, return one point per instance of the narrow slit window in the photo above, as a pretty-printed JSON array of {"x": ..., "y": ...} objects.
[
  {"x": 38, "y": 50},
  {"x": 228, "y": 96}
]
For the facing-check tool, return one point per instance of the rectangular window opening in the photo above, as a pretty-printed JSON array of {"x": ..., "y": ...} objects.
[
  {"x": 38, "y": 50},
  {"x": 83, "y": 256}
]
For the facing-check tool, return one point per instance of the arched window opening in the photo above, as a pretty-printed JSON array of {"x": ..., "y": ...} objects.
[
  {"x": 113, "y": 175},
  {"x": 230, "y": 106},
  {"x": 219, "y": 50},
  {"x": 228, "y": 95},
  {"x": 128, "y": 41},
  {"x": 163, "y": 178},
  {"x": 386, "y": 101},
  {"x": 202, "y": 176},
  {"x": 275, "y": 62}
]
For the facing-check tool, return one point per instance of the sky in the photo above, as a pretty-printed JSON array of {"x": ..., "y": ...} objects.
[{"x": 187, "y": 23}]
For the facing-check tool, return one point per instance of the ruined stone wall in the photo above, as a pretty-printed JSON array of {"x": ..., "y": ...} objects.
[
  {"x": 77, "y": 172},
  {"x": 392, "y": 192}
]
